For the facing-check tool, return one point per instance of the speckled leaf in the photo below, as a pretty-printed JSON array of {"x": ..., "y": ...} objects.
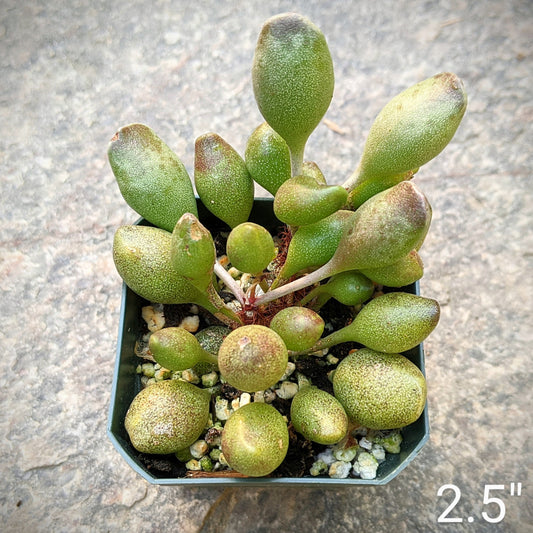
[
  {"x": 222, "y": 180},
  {"x": 302, "y": 200},
  {"x": 315, "y": 244},
  {"x": 167, "y": 416},
  {"x": 267, "y": 158},
  {"x": 378, "y": 390},
  {"x": 413, "y": 128},
  {"x": 318, "y": 416},
  {"x": 384, "y": 229},
  {"x": 192, "y": 251},
  {"x": 293, "y": 79},
  {"x": 393, "y": 322},
  {"x": 405, "y": 271},
  {"x": 151, "y": 178}
]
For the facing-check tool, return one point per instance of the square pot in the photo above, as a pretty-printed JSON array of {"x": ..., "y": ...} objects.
[{"x": 126, "y": 384}]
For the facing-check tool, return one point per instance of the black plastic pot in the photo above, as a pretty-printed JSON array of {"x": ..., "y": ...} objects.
[{"x": 126, "y": 384}]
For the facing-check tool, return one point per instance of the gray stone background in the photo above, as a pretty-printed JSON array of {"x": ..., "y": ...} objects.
[{"x": 73, "y": 72}]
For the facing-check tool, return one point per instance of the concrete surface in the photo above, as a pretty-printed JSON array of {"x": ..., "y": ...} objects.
[{"x": 73, "y": 72}]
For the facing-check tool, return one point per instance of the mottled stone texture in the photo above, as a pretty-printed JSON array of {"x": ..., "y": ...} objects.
[{"x": 73, "y": 72}]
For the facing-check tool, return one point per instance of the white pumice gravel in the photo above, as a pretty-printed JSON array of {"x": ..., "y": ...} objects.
[
  {"x": 318, "y": 467},
  {"x": 391, "y": 442},
  {"x": 161, "y": 374},
  {"x": 287, "y": 390},
  {"x": 234, "y": 273},
  {"x": 199, "y": 448},
  {"x": 154, "y": 317},
  {"x": 378, "y": 452},
  {"x": 326, "y": 456},
  {"x": 291, "y": 367},
  {"x": 190, "y": 323},
  {"x": 303, "y": 381},
  {"x": 269, "y": 396},
  {"x": 222, "y": 460},
  {"x": 340, "y": 469},
  {"x": 210, "y": 379},
  {"x": 259, "y": 396},
  {"x": 320, "y": 353},
  {"x": 365, "y": 466},
  {"x": 364, "y": 457},
  {"x": 191, "y": 376},
  {"x": 148, "y": 369},
  {"x": 365, "y": 443},
  {"x": 245, "y": 399},
  {"x": 193, "y": 464},
  {"x": 331, "y": 359},
  {"x": 246, "y": 281},
  {"x": 222, "y": 409},
  {"x": 258, "y": 291},
  {"x": 345, "y": 454}
]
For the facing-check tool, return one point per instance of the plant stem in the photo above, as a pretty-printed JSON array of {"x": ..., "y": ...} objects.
[
  {"x": 216, "y": 305},
  {"x": 230, "y": 283},
  {"x": 350, "y": 183},
  {"x": 321, "y": 344},
  {"x": 327, "y": 342},
  {"x": 300, "y": 283},
  {"x": 321, "y": 298},
  {"x": 209, "y": 358},
  {"x": 297, "y": 161},
  {"x": 276, "y": 282},
  {"x": 264, "y": 285}
]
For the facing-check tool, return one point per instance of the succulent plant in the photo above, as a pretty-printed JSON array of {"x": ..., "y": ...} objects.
[
  {"x": 167, "y": 416},
  {"x": 244, "y": 238},
  {"x": 319, "y": 416},
  {"x": 339, "y": 246},
  {"x": 293, "y": 79},
  {"x": 151, "y": 178},
  {"x": 302, "y": 200},
  {"x": 379, "y": 390},
  {"x": 222, "y": 179},
  {"x": 177, "y": 349},
  {"x": 252, "y": 358},
  {"x": 299, "y": 327},
  {"x": 255, "y": 439}
]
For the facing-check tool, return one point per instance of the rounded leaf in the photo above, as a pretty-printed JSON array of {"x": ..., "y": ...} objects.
[
  {"x": 302, "y": 200},
  {"x": 378, "y": 390},
  {"x": 292, "y": 77},
  {"x": 252, "y": 358},
  {"x": 318, "y": 416},
  {"x": 255, "y": 439},
  {"x": 167, "y": 416},
  {"x": 177, "y": 349},
  {"x": 151, "y": 178},
  {"x": 250, "y": 248},
  {"x": 267, "y": 158},
  {"x": 222, "y": 180},
  {"x": 299, "y": 327}
]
